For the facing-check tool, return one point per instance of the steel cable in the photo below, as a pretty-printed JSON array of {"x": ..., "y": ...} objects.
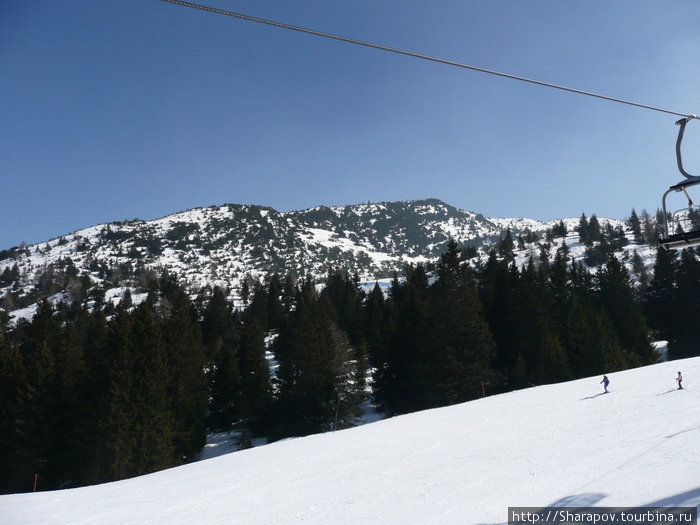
[{"x": 418, "y": 55}]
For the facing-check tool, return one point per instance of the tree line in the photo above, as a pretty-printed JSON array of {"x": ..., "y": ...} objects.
[{"x": 91, "y": 393}]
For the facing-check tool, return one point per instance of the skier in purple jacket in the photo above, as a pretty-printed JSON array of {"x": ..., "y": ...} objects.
[{"x": 605, "y": 382}]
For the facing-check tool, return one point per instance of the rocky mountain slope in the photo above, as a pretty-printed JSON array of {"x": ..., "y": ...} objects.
[{"x": 222, "y": 245}]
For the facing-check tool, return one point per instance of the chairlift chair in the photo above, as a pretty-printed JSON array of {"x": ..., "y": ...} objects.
[{"x": 682, "y": 227}]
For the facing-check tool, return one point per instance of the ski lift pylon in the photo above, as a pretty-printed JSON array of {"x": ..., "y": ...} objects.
[{"x": 681, "y": 228}]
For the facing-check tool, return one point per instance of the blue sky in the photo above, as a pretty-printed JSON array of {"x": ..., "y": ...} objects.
[{"x": 114, "y": 110}]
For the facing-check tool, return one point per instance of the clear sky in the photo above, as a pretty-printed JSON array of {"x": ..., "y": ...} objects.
[{"x": 121, "y": 109}]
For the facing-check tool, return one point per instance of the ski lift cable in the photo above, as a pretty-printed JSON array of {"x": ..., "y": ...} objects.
[{"x": 418, "y": 55}]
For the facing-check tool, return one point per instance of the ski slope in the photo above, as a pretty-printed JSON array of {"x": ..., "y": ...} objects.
[{"x": 557, "y": 445}]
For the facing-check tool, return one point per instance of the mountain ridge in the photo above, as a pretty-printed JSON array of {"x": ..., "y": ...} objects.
[{"x": 221, "y": 245}]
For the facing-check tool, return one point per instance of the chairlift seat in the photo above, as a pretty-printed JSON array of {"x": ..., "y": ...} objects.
[{"x": 681, "y": 240}]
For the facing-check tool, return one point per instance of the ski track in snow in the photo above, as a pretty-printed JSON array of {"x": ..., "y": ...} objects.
[{"x": 555, "y": 445}]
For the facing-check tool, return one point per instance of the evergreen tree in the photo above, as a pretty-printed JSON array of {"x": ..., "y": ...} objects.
[
  {"x": 260, "y": 306},
  {"x": 225, "y": 390},
  {"x": 275, "y": 305},
  {"x": 594, "y": 229},
  {"x": 152, "y": 411},
  {"x": 495, "y": 286},
  {"x": 640, "y": 272},
  {"x": 117, "y": 426},
  {"x": 406, "y": 384},
  {"x": 94, "y": 393},
  {"x": 650, "y": 229},
  {"x": 590, "y": 340},
  {"x": 376, "y": 326},
  {"x": 559, "y": 230},
  {"x": 187, "y": 389},
  {"x": 68, "y": 412},
  {"x": 460, "y": 339},
  {"x": 224, "y": 379},
  {"x": 379, "y": 330},
  {"x": 506, "y": 246},
  {"x": 314, "y": 358},
  {"x": 583, "y": 230},
  {"x": 686, "y": 333},
  {"x": 256, "y": 392},
  {"x": 559, "y": 277},
  {"x": 16, "y": 454},
  {"x": 137, "y": 426},
  {"x": 289, "y": 290},
  {"x": 245, "y": 290},
  {"x": 547, "y": 360},
  {"x": 635, "y": 224},
  {"x": 9, "y": 275},
  {"x": 617, "y": 298},
  {"x": 38, "y": 340},
  {"x": 346, "y": 297}
]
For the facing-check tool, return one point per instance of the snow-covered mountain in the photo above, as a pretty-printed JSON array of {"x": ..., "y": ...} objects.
[
  {"x": 563, "y": 445},
  {"x": 221, "y": 245}
]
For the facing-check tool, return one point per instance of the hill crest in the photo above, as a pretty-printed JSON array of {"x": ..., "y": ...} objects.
[{"x": 223, "y": 245}]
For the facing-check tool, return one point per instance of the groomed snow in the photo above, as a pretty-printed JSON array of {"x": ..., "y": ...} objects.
[{"x": 564, "y": 445}]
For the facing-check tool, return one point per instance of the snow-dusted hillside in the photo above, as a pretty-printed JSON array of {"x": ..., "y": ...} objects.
[
  {"x": 557, "y": 445},
  {"x": 221, "y": 245}
]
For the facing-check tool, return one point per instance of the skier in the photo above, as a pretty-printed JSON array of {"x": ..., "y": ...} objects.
[
  {"x": 679, "y": 379},
  {"x": 605, "y": 382}
]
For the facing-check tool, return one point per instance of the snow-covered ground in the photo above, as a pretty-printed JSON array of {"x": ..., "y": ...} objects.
[{"x": 557, "y": 445}]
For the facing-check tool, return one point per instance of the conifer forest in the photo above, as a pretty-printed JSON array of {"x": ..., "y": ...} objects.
[{"x": 102, "y": 393}]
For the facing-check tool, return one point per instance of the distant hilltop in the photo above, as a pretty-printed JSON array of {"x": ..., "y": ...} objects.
[{"x": 222, "y": 245}]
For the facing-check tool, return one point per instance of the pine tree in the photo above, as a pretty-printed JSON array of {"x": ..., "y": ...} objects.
[
  {"x": 69, "y": 412},
  {"x": 660, "y": 298},
  {"x": 636, "y": 226},
  {"x": 547, "y": 360},
  {"x": 380, "y": 328},
  {"x": 617, "y": 298},
  {"x": 349, "y": 365},
  {"x": 583, "y": 230},
  {"x": 559, "y": 230},
  {"x": 506, "y": 246},
  {"x": 650, "y": 229},
  {"x": 376, "y": 326},
  {"x": 460, "y": 338},
  {"x": 594, "y": 229},
  {"x": 224, "y": 379},
  {"x": 136, "y": 424},
  {"x": 495, "y": 288},
  {"x": 346, "y": 296},
  {"x": 260, "y": 306},
  {"x": 187, "y": 389},
  {"x": 558, "y": 277},
  {"x": 314, "y": 357},
  {"x": 256, "y": 391},
  {"x": 245, "y": 290},
  {"x": 591, "y": 343},
  {"x": 39, "y": 340},
  {"x": 289, "y": 290},
  {"x": 275, "y": 306},
  {"x": 406, "y": 382},
  {"x": 686, "y": 333},
  {"x": 640, "y": 272},
  {"x": 225, "y": 390},
  {"x": 117, "y": 426},
  {"x": 152, "y": 412},
  {"x": 94, "y": 393},
  {"x": 16, "y": 456}
]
